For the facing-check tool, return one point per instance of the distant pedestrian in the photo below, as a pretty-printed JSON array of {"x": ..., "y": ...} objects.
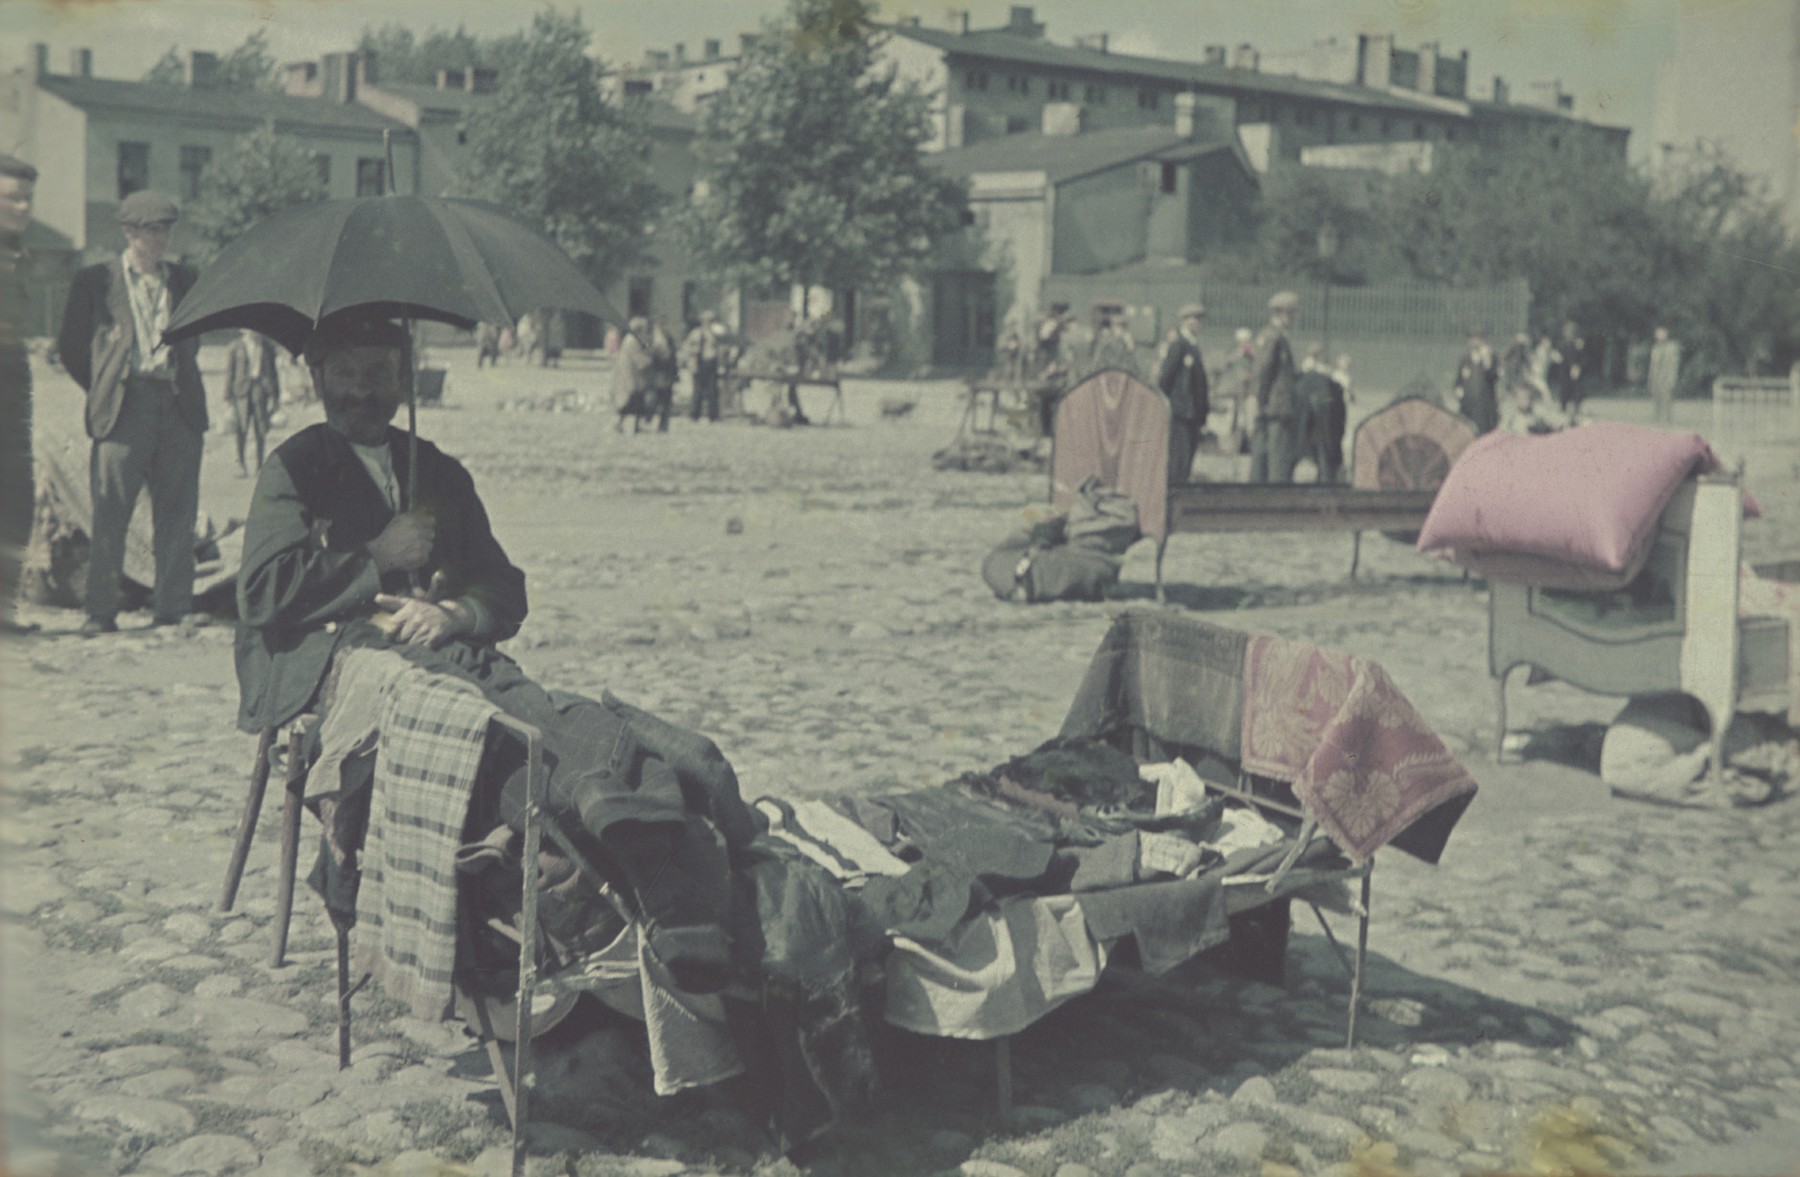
[
  {"x": 1665, "y": 373},
  {"x": 18, "y": 185},
  {"x": 1477, "y": 381},
  {"x": 249, "y": 375},
  {"x": 1273, "y": 443},
  {"x": 1182, "y": 378},
  {"x": 631, "y": 374},
  {"x": 665, "y": 370},
  {"x": 1322, "y": 401},
  {"x": 487, "y": 345},
  {"x": 704, "y": 346},
  {"x": 146, "y": 409},
  {"x": 1567, "y": 370}
]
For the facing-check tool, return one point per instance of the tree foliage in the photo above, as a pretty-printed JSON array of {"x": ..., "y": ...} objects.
[
  {"x": 810, "y": 168},
  {"x": 250, "y": 66},
  {"x": 551, "y": 148},
  {"x": 260, "y": 174}
]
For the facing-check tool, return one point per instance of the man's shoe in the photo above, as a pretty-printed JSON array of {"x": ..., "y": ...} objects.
[{"x": 98, "y": 625}]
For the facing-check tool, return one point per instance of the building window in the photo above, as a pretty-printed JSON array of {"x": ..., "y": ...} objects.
[
  {"x": 968, "y": 216},
  {"x": 1251, "y": 110},
  {"x": 1556, "y": 142},
  {"x": 1418, "y": 130},
  {"x": 134, "y": 168},
  {"x": 371, "y": 177},
  {"x": 976, "y": 80},
  {"x": 637, "y": 298},
  {"x": 193, "y": 166},
  {"x": 1148, "y": 99},
  {"x": 1017, "y": 124},
  {"x": 322, "y": 162},
  {"x": 1355, "y": 122},
  {"x": 637, "y": 87},
  {"x": 1387, "y": 126},
  {"x": 1059, "y": 91},
  {"x": 1168, "y": 179},
  {"x": 1303, "y": 116},
  {"x": 1095, "y": 95},
  {"x": 462, "y": 137},
  {"x": 1449, "y": 134}
]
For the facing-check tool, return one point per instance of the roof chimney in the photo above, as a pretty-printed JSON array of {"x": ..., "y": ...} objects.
[
  {"x": 81, "y": 63},
  {"x": 1246, "y": 58},
  {"x": 680, "y": 53},
  {"x": 365, "y": 67},
  {"x": 1095, "y": 41},
  {"x": 712, "y": 48},
  {"x": 1428, "y": 67},
  {"x": 39, "y": 62},
  {"x": 1215, "y": 55},
  {"x": 202, "y": 69},
  {"x": 1023, "y": 22},
  {"x": 300, "y": 79},
  {"x": 337, "y": 82},
  {"x": 1502, "y": 94},
  {"x": 1374, "y": 61}
]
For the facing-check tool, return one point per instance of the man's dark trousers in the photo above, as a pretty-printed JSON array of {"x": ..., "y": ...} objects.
[
  {"x": 1273, "y": 451},
  {"x": 706, "y": 390},
  {"x": 17, "y": 489},
  {"x": 151, "y": 444}
]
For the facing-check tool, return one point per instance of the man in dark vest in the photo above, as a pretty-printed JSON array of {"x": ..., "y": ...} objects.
[
  {"x": 146, "y": 410},
  {"x": 1183, "y": 380},
  {"x": 1477, "y": 384}
]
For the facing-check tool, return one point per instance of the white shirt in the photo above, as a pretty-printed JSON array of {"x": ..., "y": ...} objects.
[
  {"x": 379, "y": 462},
  {"x": 149, "y": 298}
]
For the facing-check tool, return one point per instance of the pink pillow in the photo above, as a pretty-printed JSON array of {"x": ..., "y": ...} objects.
[
  {"x": 1543, "y": 572},
  {"x": 1586, "y": 498}
]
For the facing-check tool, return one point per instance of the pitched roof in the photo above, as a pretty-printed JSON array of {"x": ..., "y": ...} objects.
[
  {"x": 247, "y": 107},
  {"x": 1067, "y": 157},
  {"x": 431, "y": 97},
  {"x": 1010, "y": 47}
]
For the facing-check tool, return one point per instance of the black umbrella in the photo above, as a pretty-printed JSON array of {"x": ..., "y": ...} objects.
[
  {"x": 410, "y": 257},
  {"x": 450, "y": 261}
]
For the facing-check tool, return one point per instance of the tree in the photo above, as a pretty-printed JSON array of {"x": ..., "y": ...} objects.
[
  {"x": 551, "y": 148},
  {"x": 402, "y": 57},
  {"x": 810, "y": 168},
  {"x": 260, "y": 174},
  {"x": 250, "y": 66}
]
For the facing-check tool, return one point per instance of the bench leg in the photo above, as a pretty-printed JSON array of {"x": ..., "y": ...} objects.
[
  {"x": 1161, "y": 545},
  {"x": 1362, "y": 953},
  {"x": 1500, "y": 716},
  {"x": 294, "y": 789},
  {"x": 240, "y": 850},
  {"x": 1355, "y": 552}
]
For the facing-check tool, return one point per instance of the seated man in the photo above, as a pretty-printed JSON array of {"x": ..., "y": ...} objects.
[{"x": 333, "y": 555}]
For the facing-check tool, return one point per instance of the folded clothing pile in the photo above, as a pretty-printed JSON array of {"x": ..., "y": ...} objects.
[{"x": 1572, "y": 510}]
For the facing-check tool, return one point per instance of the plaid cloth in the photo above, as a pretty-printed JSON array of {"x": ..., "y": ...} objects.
[{"x": 433, "y": 730}]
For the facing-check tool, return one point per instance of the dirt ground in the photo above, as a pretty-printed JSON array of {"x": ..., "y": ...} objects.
[{"x": 1580, "y": 972}]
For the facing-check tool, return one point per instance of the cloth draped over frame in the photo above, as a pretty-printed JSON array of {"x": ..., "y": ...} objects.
[
  {"x": 1333, "y": 725},
  {"x": 1117, "y": 427}
]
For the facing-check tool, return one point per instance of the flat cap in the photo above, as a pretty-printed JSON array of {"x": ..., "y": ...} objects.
[
  {"x": 1192, "y": 310},
  {"x": 1286, "y": 300},
  {"x": 148, "y": 208}
]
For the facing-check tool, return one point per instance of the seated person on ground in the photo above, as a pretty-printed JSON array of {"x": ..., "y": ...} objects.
[
  {"x": 1529, "y": 409},
  {"x": 332, "y": 552}
]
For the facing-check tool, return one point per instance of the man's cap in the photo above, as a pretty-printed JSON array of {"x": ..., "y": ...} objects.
[
  {"x": 1286, "y": 300},
  {"x": 352, "y": 330},
  {"x": 18, "y": 169},
  {"x": 148, "y": 208},
  {"x": 1193, "y": 310}
]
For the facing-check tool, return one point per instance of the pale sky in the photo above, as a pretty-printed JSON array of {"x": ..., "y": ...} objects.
[{"x": 1605, "y": 51}]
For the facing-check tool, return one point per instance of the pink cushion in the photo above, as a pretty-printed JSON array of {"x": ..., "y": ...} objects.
[
  {"x": 1544, "y": 572},
  {"x": 1586, "y": 498}
]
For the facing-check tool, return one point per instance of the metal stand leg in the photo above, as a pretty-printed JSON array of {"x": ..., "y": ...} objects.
[
  {"x": 240, "y": 850},
  {"x": 1003, "y": 1074},
  {"x": 345, "y": 989},
  {"x": 294, "y": 789},
  {"x": 1500, "y": 716},
  {"x": 1362, "y": 952},
  {"x": 519, "y": 1105}
]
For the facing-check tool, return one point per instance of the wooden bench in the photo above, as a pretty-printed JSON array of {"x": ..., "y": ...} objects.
[{"x": 1115, "y": 426}]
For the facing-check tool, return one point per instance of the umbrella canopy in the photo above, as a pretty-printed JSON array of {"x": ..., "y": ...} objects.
[{"x": 405, "y": 257}]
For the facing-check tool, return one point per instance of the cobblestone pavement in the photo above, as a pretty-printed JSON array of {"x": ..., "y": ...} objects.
[{"x": 1582, "y": 981}]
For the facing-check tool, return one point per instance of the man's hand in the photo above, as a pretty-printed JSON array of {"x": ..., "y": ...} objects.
[
  {"x": 404, "y": 544},
  {"x": 421, "y": 622}
]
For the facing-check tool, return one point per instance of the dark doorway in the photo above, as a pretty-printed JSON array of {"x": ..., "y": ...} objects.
[{"x": 962, "y": 318}]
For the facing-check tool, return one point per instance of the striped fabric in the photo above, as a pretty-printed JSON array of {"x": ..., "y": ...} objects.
[{"x": 433, "y": 730}]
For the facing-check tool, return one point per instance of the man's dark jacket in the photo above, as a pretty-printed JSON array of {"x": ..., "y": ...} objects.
[
  {"x": 96, "y": 340},
  {"x": 1183, "y": 380},
  {"x": 306, "y": 581}
]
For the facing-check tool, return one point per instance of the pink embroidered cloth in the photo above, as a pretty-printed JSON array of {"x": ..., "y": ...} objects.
[
  {"x": 1335, "y": 726},
  {"x": 1116, "y": 426}
]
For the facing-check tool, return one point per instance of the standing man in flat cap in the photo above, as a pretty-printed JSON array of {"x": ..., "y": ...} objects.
[
  {"x": 1274, "y": 444},
  {"x": 18, "y": 181},
  {"x": 1183, "y": 381},
  {"x": 146, "y": 409}
]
